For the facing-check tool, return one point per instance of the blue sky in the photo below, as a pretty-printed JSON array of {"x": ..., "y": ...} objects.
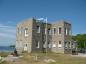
[{"x": 14, "y": 11}]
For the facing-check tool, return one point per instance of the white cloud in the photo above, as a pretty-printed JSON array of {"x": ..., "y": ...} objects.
[
  {"x": 7, "y": 34},
  {"x": 3, "y": 26}
]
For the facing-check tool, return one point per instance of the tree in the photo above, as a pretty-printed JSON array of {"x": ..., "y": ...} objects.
[{"x": 81, "y": 39}]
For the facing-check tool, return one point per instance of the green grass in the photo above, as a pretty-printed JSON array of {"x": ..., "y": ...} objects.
[
  {"x": 4, "y": 54},
  {"x": 59, "y": 58}
]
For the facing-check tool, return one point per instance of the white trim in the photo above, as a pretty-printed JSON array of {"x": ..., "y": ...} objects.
[
  {"x": 66, "y": 31},
  {"x": 25, "y": 31}
]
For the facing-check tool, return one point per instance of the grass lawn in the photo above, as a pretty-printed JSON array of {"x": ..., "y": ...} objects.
[
  {"x": 4, "y": 54},
  {"x": 59, "y": 58}
]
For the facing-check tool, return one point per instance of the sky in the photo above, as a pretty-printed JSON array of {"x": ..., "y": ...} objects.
[{"x": 14, "y": 11}]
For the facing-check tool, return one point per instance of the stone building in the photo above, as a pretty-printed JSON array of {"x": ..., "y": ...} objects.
[{"x": 31, "y": 36}]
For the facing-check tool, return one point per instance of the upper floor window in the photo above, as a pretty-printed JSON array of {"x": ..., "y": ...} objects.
[
  {"x": 59, "y": 30},
  {"x": 69, "y": 31},
  {"x": 20, "y": 30},
  {"x": 66, "y": 31},
  {"x": 49, "y": 31},
  {"x": 38, "y": 29},
  {"x": 26, "y": 31},
  {"x": 54, "y": 31}
]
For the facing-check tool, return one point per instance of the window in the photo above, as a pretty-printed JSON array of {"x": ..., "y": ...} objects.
[
  {"x": 54, "y": 31},
  {"x": 59, "y": 30},
  {"x": 38, "y": 29},
  {"x": 73, "y": 45},
  {"x": 66, "y": 45},
  {"x": 37, "y": 44},
  {"x": 69, "y": 44},
  {"x": 49, "y": 45},
  {"x": 25, "y": 47},
  {"x": 53, "y": 44},
  {"x": 66, "y": 31},
  {"x": 26, "y": 31},
  {"x": 69, "y": 31},
  {"x": 49, "y": 31},
  {"x": 59, "y": 44},
  {"x": 19, "y": 30}
]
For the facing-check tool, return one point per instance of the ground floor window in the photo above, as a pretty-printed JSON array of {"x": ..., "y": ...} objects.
[
  {"x": 49, "y": 45},
  {"x": 37, "y": 44},
  {"x": 25, "y": 47},
  {"x": 69, "y": 44},
  {"x": 59, "y": 44},
  {"x": 66, "y": 45},
  {"x": 73, "y": 45},
  {"x": 53, "y": 44}
]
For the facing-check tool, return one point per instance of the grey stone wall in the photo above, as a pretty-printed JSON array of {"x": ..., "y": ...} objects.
[{"x": 32, "y": 38}]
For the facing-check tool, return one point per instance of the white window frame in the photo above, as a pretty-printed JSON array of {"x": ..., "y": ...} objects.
[
  {"x": 25, "y": 32},
  {"x": 66, "y": 31}
]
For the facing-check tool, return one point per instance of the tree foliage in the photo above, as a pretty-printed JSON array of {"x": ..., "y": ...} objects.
[{"x": 81, "y": 40}]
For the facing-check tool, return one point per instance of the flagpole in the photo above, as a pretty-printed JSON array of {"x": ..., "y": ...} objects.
[{"x": 46, "y": 36}]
